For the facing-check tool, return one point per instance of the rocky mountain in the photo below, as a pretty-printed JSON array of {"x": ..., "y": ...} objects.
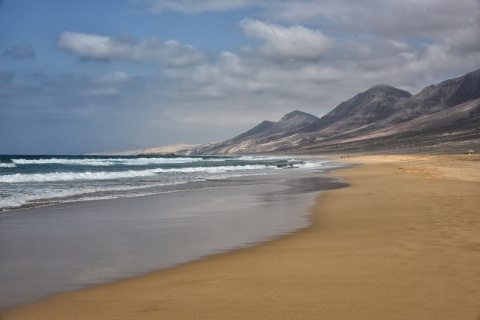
[
  {"x": 443, "y": 117},
  {"x": 292, "y": 121},
  {"x": 261, "y": 134},
  {"x": 371, "y": 106}
]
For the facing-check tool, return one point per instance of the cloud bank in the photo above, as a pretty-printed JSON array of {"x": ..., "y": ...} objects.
[
  {"x": 191, "y": 7},
  {"x": 292, "y": 42},
  {"x": 99, "y": 47},
  {"x": 306, "y": 54}
]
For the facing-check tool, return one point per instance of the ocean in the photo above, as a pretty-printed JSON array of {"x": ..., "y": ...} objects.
[
  {"x": 69, "y": 222},
  {"x": 32, "y": 181}
]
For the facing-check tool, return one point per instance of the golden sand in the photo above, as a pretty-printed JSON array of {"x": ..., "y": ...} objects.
[{"x": 403, "y": 242}]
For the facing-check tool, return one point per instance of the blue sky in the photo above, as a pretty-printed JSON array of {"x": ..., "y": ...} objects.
[{"x": 83, "y": 76}]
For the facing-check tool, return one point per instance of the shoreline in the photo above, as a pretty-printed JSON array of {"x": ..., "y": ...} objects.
[
  {"x": 71, "y": 246},
  {"x": 400, "y": 242}
]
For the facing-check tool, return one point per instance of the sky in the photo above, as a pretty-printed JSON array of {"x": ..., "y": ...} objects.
[{"x": 86, "y": 75}]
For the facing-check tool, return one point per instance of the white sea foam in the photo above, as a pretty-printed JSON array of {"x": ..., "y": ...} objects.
[
  {"x": 7, "y": 165},
  {"x": 140, "y": 161},
  {"x": 22, "y": 199},
  {"x": 106, "y": 161},
  {"x": 149, "y": 161},
  {"x": 41, "y": 187},
  {"x": 215, "y": 169},
  {"x": 48, "y": 195},
  {"x": 70, "y": 176},
  {"x": 310, "y": 164},
  {"x": 103, "y": 175},
  {"x": 10, "y": 203},
  {"x": 85, "y": 162}
]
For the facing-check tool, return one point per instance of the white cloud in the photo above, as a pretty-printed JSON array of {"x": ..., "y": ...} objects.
[
  {"x": 387, "y": 18},
  {"x": 112, "y": 77},
  {"x": 224, "y": 79},
  {"x": 380, "y": 16},
  {"x": 107, "y": 85},
  {"x": 294, "y": 42},
  {"x": 311, "y": 55},
  {"x": 307, "y": 54},
  {"x": 188, "y": 6},
  {"x": 102, "y": 92},
  {"x": 97, "y": 47}
]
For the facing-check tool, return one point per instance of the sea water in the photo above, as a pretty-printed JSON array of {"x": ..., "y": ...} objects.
[
  {"x": 32, "y": 181},
  {"x": 74, "y": 221}
]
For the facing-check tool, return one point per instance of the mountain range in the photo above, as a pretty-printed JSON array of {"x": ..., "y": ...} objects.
[{"x": 442, "y": 118}]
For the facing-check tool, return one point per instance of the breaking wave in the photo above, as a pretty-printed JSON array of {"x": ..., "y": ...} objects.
[
  {"x": 7, "y": 165},
  {"x": 29, "y": 181},
  {"x": 70, "y": 176},
  {"x": 104, "y": 175},
  {"x": 105, "y": 161}
]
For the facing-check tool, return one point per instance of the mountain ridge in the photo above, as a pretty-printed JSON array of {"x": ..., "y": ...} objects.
[
  {"x": 291, "y": 121},
  {"x": 382, "y": 118}
]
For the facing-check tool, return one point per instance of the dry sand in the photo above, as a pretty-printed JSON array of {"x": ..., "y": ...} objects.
[{"x": 402, "y": 243}]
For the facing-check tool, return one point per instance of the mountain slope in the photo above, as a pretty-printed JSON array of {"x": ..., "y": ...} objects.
[
  {"x": 365, "y": 108},
  {"x": 295, "y": 120},
  {"x": 438, "y": 97},
  {"x": 441, "y": 118},
  {"x": 261, "y": 134},
  {"x": 453, "y": 130}
]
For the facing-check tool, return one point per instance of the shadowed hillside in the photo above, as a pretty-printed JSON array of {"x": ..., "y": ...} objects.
[{"x": 443, "y": 117}]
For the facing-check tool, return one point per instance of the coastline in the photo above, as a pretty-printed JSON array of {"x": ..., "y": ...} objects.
[
  {"x": 69, "y": 246},
  {"x": 401, "y": 242}
]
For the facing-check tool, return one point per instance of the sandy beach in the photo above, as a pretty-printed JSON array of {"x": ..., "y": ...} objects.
[{"x": 403, "y": 242}]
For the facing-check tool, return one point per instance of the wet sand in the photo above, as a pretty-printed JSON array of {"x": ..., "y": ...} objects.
[
  {"x": 53, "y": 249},
  {"x": 401, "y": 243}
]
